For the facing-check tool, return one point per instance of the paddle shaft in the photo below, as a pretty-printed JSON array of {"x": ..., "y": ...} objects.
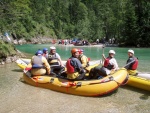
[
  {"x": 129, "y": 63},
  {"x": 98, "y": 82},
  {"x": 103, "y": 53}
]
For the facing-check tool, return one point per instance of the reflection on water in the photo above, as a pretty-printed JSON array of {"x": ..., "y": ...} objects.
[{"x": 18, "y": 97}]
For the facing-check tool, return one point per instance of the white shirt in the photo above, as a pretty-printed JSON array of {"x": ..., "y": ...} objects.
[{"x": 112, "y": 61}]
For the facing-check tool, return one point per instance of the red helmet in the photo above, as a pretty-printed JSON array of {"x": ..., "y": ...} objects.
[
  {"x": 74, "y": 50},
  {"x": 80, "y": 50}
]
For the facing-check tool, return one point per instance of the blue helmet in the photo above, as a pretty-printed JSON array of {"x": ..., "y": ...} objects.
[
  {"x": 45, "y": 49},
  {"x": 39, "y": 52}
]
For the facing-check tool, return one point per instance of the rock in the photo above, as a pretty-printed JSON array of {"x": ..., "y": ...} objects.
[
  {"x": 8, "y": 60},
  {"x": 15, "y": 42},
  {"x": 20, "y": 54},
  {"x": 22, "y": 41},
  {"x": 2, "y": 63}
]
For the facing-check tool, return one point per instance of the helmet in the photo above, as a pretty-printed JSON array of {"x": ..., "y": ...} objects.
[
  {"x": 45, "y": 49},
  {"x": 39, "y": 52},
  {"x": 80, "y": 50},
  {"x": 52, "y": 47},
  {"x": 131, "y": 51},
  {"x": 112, "y": 51},
  {"x": 74, "y": 50}
]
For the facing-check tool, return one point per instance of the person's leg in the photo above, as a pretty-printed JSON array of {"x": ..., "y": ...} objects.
[{"x": 81, "y": 76}]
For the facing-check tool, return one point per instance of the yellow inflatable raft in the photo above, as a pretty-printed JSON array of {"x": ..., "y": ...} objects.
[
  {"x": 83, "y": 88},
  {"x": 141, "y": 81},
  {"x": 22, "y": 63}
]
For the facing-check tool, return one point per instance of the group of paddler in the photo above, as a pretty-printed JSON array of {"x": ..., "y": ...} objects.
[{"x": 50, "y": 63}]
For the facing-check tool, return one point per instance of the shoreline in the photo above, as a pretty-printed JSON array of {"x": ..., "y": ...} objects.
[{"x": 12, "y": 58}]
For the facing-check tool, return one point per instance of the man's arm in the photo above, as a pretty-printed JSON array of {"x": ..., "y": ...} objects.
[{"x": 46, "y": 64}]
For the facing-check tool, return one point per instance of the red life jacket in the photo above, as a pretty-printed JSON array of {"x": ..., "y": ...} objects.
[
  {"x": 70, "y": 68},
  {"x": 135, "y": 64},
  {"x": 107, "y": 64}
]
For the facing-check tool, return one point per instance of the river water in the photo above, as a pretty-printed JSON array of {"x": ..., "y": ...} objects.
[
  {"x": 18, "y": 97},
  {"x": 95, "y": 53}
]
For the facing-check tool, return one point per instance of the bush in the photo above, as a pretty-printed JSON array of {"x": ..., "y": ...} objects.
[{"x": 6, "y": 49}]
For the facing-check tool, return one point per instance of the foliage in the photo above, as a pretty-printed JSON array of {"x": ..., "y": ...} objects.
[
  {"x": 6, "y": 49},
  {"x": 128, "y": 21}
]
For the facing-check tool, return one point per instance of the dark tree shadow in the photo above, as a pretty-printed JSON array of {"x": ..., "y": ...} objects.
[{"x": 17, "y": 70}]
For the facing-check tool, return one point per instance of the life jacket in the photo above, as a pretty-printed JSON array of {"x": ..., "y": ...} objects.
[
  {"x": 135, "y": 64},
  {"x": 53, "y": 60},
  {"x": 70, "y": 68},
  {"x": 107, "y": 63},
  {"x": 37, "y": 62},
  {"x": 87, "y": 60}
]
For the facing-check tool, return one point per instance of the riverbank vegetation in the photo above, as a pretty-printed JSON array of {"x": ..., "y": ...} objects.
[
  {"x": 6, "y": 49},
  {"x": 8, "y": 53},
  {"x": 128, "y": 21}
]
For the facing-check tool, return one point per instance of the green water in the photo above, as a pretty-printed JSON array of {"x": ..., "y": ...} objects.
[{"x": 95, "y": 53}]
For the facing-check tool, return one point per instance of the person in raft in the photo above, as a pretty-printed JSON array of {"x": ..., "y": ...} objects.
[
  {"x": 110, "y": 65},
  {"x": 132, "y": 63},
  {"x": 55, "y": 61},
  {"x": 45, "y": 53},
  {"x": 38, "y": 64},
  {"x": 74, "y": 67},
  {"x": 83, "y": 59}
]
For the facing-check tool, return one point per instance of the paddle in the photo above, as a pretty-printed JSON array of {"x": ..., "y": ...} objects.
[
  {"x": 78, "y": 84},
  {"x": 27, "y": 72},
  {"x": 102, "y": 61},
  {"x": 129, "y": 63},
  {"x": 99, "y": 82}
]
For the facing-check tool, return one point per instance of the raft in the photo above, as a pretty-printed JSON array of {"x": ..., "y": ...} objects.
[
  {"x": 141, "y": 81},
  {"x": 22, "y": 63},
  {"x": 96, "y": 87}
]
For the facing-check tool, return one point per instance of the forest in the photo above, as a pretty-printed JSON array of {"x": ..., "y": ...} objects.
[{"x": 128, "y": 21}]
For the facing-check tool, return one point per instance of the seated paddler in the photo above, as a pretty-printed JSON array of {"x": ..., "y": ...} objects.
[
  {"x": 55, "y": 61},
  {"x": 38, "y": 65},
  {"x": 83, "y": 59},
  {"x": 45, "y": 53},
  {"x": 110, "y": 66},
  {"x": 75, "y": 71},
  {"x": 132, "y": 63}
]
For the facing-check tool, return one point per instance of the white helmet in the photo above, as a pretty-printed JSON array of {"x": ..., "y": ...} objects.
[
  {"x": 112, "y": 51},
  {"x": 130, "y": 51},
  {"x": 52, "y": 47}
]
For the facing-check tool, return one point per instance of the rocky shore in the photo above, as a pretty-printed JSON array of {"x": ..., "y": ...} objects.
[
  {"x": 37, "y": 40},
  {"x": 9, "y": 40},
  {"x": 12, "y": 58}
]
